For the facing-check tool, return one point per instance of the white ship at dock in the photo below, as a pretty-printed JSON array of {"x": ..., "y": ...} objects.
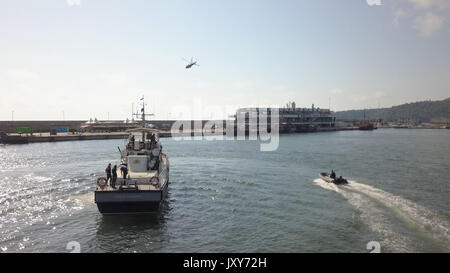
[{"x": 291, "y": 119}]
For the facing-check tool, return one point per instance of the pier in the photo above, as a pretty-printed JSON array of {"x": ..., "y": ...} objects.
[{"x": 47, "y": 137}]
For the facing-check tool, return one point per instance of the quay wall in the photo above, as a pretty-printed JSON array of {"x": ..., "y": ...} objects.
[
  {"x": 46, "y": 137},
  {"x": 45, "y": 125},
  {"x": 74, "y": 137},
  {"x": 39, "y": 125}
]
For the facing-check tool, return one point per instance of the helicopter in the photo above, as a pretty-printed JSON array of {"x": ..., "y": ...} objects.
[{"x": 191, "y": 63}]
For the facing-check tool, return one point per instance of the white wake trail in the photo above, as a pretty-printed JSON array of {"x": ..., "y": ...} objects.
[
  {"x": 418, "y": 218},
  {"x": 426, "y": 220}
]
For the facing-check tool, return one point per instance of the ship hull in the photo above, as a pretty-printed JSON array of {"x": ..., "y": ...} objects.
[
  {"x": 5, "y": 139},
  {"x": 130, "y": 202}
]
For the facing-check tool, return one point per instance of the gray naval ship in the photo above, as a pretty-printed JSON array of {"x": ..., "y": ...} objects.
[{"x": 143, "y": 175}]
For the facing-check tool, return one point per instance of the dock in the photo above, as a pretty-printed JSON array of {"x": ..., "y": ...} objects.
[{"x": 47, "y": 137}]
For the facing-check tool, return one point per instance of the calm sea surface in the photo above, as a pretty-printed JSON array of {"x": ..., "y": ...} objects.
[{"x": 227, "y": 196}]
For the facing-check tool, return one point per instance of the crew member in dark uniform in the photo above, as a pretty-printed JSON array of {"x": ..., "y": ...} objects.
[
  {"x": 333, "y": 174},
  {"x": 108, "y": 173},
  {"x": 114, "y": 176},
  {"x": 124, "y": 170},
  {"x": 152, "y": 139},
  {"x": 132, "y": 142}
]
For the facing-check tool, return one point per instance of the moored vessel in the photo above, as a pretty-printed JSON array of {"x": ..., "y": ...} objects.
[
  {"x": 366, "y": 126},
  {"x": 11, "y": 139}
]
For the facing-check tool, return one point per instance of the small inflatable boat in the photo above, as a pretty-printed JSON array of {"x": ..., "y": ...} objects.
[{"x": 337, "y": 180}]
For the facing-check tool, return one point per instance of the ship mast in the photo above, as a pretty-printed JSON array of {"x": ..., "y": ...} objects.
[
  {"x": 143, "y": 112},
  {"x": 143, "y": 116}
]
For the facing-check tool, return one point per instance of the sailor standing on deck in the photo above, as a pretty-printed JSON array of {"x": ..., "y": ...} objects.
[
  {"x": 114, "y": 176},
  {"x": 124, "y": 170},
  {"x": 108, "y": 173}
]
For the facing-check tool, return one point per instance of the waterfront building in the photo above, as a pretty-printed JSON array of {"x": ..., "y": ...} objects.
[{"x": 291, "y": 118}]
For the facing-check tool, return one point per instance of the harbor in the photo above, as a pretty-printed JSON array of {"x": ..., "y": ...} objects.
[
  {"x": 245, "y": 122},
  {"x": 227, "y": 196},
  {"x": 218, "y": 133},
  {"x": 14, "y": 138}
]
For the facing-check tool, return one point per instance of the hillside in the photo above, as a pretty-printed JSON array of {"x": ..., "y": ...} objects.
[{"x": 423, "y": 111}]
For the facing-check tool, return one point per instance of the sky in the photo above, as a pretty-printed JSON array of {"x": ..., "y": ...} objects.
[{"x": 81, "y": 59}]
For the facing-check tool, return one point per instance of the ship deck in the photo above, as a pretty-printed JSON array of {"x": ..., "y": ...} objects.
[
  {"x": 138, "y": 177},
  {"x": 142, "y": 187}
]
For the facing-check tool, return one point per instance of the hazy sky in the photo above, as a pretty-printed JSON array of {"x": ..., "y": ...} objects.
[{"x": 89, "y": 58}]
